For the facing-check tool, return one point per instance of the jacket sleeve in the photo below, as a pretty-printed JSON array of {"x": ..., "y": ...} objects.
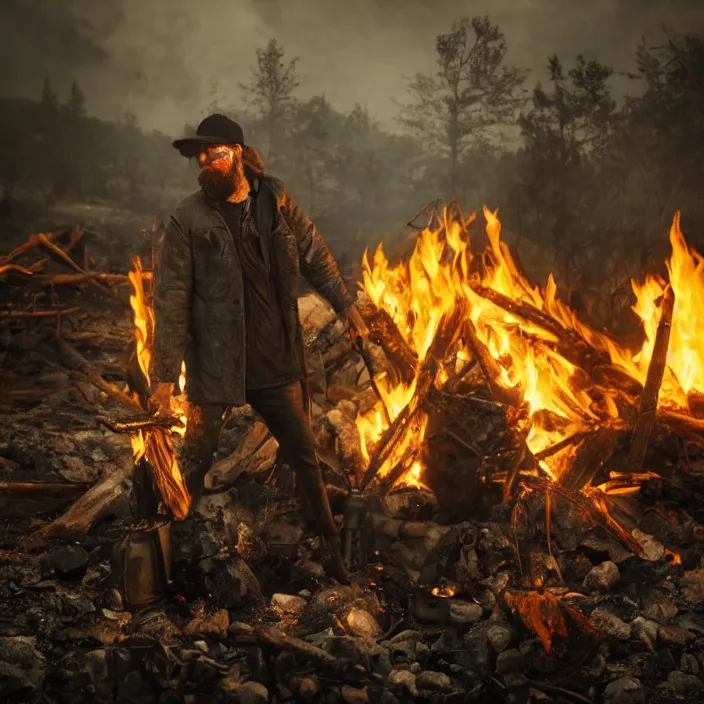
[
  {"x": 318, "y": 265},
  {"x": 172, "y": 303}
]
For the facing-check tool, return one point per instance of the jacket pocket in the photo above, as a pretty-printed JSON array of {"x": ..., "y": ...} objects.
[{"x": 212, "y": 262}]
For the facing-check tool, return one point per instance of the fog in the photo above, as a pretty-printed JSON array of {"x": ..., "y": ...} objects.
[{"x": 167, "y": 61}]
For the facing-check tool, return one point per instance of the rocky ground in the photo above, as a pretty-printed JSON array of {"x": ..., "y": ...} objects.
[{"x": 446, "y": 610}]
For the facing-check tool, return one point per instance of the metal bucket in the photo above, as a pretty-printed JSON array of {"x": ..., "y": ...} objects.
[{"x": 144, "y": 564}]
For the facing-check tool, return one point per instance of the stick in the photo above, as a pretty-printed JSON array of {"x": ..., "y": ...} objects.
[
  {"x": 76, "y": 359},
  {"x": 647, "y": 408},
  {"x": 30, "y": 498},
  {"x": 31, "y": 243},
  {"x": 448, "y": 332},
  {"x": 383, "y": 332},
  {"x": 130, "y": 426},
  {"x": 77, "y": 279},
  {"x": 490, "y": 368},
  {"x": 83, "y": 514},
  {"x": 36, "y": 313}
]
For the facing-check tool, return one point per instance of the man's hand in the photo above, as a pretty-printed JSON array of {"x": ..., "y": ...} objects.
[
  {"x": 357, "y": 329},
  {"x": 161, "y": 399}
]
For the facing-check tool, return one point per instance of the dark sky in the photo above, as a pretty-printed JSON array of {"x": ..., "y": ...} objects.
[{"x": 167, "y": 60}]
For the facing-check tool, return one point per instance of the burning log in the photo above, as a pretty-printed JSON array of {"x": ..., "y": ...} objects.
[
  {"x": 448, "y": 332},
  {"x": 384, "y": 332},
  {"x": 647, "y": 408},
  {"x": 489, "y": 367},
  {"x": 590, "y": 457}
]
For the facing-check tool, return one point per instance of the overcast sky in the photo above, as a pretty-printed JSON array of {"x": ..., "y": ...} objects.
[{"x": 167, "y": 60}]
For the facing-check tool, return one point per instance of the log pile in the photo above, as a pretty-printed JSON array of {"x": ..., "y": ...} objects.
[{"x": 486, "y": 581}]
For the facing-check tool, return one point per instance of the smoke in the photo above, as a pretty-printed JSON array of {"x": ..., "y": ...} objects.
[{"x": 168, "y": 61}]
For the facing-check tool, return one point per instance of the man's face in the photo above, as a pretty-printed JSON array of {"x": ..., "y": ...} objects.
[{"x": 221, "y": 166}]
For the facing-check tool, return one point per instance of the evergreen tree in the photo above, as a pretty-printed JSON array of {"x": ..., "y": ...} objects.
[
  {"x": 270, "y": 92},
  {"x": 76, "y": 103},
  {"x": 472, "y": 91}
]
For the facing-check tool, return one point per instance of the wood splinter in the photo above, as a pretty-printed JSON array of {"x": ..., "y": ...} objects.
[{"x": 647, "y": 408}]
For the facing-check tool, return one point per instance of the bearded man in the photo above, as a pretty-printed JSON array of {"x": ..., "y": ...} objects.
[{"x": 225, "y": 301}]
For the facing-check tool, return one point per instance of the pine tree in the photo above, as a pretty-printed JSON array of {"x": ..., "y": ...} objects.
[
  {"x": 49, "y": 99},
  {"x": 472, "y": 91},
  {"x": 76, "y": 102},
  {"x": 270, "y": 91}
]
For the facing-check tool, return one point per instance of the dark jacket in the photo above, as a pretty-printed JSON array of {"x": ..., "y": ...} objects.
[{"x": 198, "y": 295}]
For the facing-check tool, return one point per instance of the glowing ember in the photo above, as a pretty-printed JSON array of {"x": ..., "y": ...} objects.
[
  {"x": 559, "y": 400},
  {"x": 157, "y": 444},
  {"x": 446, "y": 592}
]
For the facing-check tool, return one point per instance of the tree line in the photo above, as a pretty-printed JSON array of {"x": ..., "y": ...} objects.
[{"x": 581, "y": 179}]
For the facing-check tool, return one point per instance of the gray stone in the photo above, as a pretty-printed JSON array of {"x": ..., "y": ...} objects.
[
  {"x": 250, "y": 693},
  {"x": 499, "y": 637},
  {"x": 610, "y": 624},
  {"x": 362, "y": 624},
  {"x": 625, "y": 690},
  {"x": 70, "y": 561},
  {"x": 674, "y": 635},
  {"x": 685, "y": 685},
  {"x": 465, "y": 612},
  {"x": 603, "y": 577},
  {"x": 646, "y": 631},
  {"x": 653, "y": 549},
  {"x": 403, "y": 681},
  {"x": 97, "y": 665},
  {"x": 511, "y": 660},
  {"x": 288, "y": 604},
  {"x": 435, "y": 681}
]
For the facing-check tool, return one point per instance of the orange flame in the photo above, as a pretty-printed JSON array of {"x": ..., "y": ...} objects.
[
  {"x": 418, "y": 292},
  {"x": 156, "y": 444}
]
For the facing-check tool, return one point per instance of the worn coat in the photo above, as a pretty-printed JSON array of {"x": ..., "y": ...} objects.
[{"x": 199, "y": 289}]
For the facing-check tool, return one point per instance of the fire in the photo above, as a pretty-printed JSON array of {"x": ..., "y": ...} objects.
[
  {"x": 156, "y": 444},
  {"x": 557, "y": 400}
]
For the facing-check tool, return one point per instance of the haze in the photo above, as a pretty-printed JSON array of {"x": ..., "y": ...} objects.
[{"x": 167, "y": 61}]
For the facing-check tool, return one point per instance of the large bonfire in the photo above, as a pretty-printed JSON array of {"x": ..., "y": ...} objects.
[
  {"x": 451, "y": 308},
  {"x": 530, "y": 345}
]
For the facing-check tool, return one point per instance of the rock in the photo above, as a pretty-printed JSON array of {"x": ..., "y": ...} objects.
[
  {"x": 610, "y": 624},
  {"x": 499, "y": 637},
  {"x": 625, "y": 690},
  {"x": 661, "y": 611},
  {"x": 308, "y": 689},
  {"x": 315, "y": 313},
  {"x": 215, "y": 624},
  {"x": 602, "y": 577},
  {"x": 22, "y": 666},
  {"x": 403, "y": 681},
  {"x": 113, "y": 600},
  {"x": 511, "y": 660},
  {"x": 646, "y": 631},
  {"x": 250, "y": 693},
  {"x": 231, "y": 583},
  {"x": 97, "y": 665},
  {"x": 653, "y": 549},
  {"x": 674, "y": 635},
  {"x": 435, "y": 681},
  {"x": 362, "y": 624},
  {"x": 283, "y": 533},
  {"x": 70, "y": 562},
  {"x": 288, "y": 604},
  {"x": 685, "y": 685},
  {"x": 692, "y": 586},
  {"x": 462, "y": 612},
  {"x": 690, "y": 664}
]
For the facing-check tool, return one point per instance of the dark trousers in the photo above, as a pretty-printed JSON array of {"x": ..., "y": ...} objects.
[{"x": 284, "y": 412}]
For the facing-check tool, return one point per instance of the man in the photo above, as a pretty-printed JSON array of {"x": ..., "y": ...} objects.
[{"x": 225, "y": 301}]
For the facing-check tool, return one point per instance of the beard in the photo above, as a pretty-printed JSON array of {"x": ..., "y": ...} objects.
[{"x": 224, "y": 185}]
